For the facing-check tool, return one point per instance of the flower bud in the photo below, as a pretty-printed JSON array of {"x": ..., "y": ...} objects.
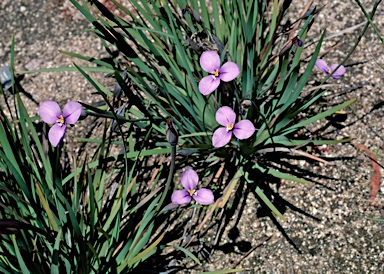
[
  {"x": 172, "y": 135},
  {"x": 298, "y": 42},
  {"x": 245, "y": 105}
]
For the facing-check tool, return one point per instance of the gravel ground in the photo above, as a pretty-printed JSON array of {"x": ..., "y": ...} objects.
[{"x": 329, "y": 230}]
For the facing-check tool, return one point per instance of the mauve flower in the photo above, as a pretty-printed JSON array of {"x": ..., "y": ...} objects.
[
  {"x": 226, "y": 117},
  {"x": 50, "y": 113},
  {"x": 189, "y": 180},
  {"x": 322, "y": 65},
  {"x": 210, "y": 62}
]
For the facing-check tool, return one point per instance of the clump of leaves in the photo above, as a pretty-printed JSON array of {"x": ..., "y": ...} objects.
[{"x": 161, "y": 45}]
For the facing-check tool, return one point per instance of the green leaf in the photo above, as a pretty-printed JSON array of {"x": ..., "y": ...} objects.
[
  {"x": 318, "y": 116},
  {"x": 55, "y": 254},
  {"x": 376, "y": 219},
  {"x": 20, "y": 259},
  {"x": 188, "y": 253},
  {"x": 234, "y": 270},
  {"x": 265, "y": 199},
  {"x": 67, "y": 69},
  {"x": 146, "y": 252},
  {"x": 52, "y": 218}
]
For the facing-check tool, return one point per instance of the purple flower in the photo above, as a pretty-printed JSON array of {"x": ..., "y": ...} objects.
[
  {"x": 226, "y": 117},
  {"x": 189, "y": 180},
  {"x": 322, "y": 65},
  {"x": 50, "y": 113},
  {"x": 210, "y": 62}
]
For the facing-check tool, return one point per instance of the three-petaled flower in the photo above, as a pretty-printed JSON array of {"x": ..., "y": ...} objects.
[
  {"x": 189, "y": 180},
  {"x": 322, "y": 65},
  {"x": 210, "y": 62},
  {"x": 50, "y": 113},
  {"x": 226, "y": 117}
]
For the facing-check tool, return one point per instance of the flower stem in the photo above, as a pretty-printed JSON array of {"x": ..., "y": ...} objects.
[{"x": 170, "y": 177}]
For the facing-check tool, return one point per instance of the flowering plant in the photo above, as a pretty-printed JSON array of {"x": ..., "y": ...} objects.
[{"x": 109, "y": 215}]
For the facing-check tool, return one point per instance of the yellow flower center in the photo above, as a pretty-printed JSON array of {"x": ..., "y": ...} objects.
[
  {"x": 60, "y": 121},
  {"x": 230, "y": 127},
  {"x": 216, "y": 72},
  {"x": 191, "y": 192}
]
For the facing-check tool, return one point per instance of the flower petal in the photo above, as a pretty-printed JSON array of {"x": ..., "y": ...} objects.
[
  {"x": 71, "y": 112},
  {"x": 225, "y": 116},
  {"x": 229, "y": 71},
  {"x": 56, "y": 134},
  {"x": 208, "y": 84},
  {"x": 180, "y": 197},
  {"x": 210, "y": 61},
  {"x": 221, "y": 137},
  {"x": 322, "y": 65},
  {"x": 339, "y": 72},
  {"x": 244, "y": 129},
  {"x": 189, "y": 179},
  {"x": 49, "y": 112},
  {"x": 204, "y": 196}
]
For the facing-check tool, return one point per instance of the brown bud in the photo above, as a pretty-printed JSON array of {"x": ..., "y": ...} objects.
[
  {"x": 193, "y": 13},
  {"x": 172, "y": 135},
  {"x": 245, "y": 105}
]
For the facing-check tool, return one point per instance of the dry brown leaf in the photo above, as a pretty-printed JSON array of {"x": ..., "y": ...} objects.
[{"x": 375, "y": 180}]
